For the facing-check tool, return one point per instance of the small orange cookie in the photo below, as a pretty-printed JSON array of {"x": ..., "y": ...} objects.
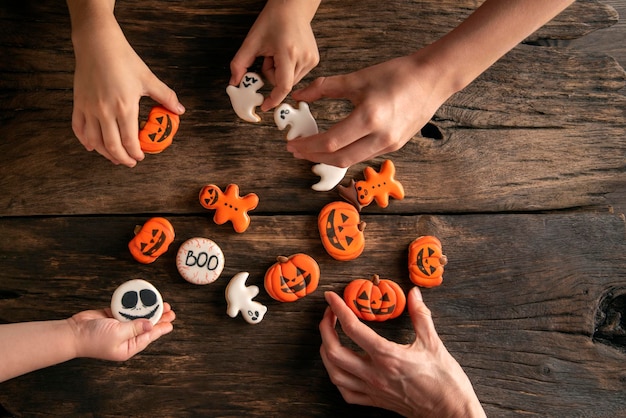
[
  {"x": 426, "y": 261},
  {"x": 341, "y": 231},
  {"x": 151, "y": 240},
  {"x": 290, "y": 279},
  {"x": 228, "y": 205},
  {"x": 376, "y": 299},
  {"x": 376, "y": 186},
  {"x": 159, "y": 130}
]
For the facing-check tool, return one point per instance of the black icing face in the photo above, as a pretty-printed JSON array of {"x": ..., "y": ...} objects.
[
  {"x": 137, "y": 299},
  {"x": 142, "y": 304}
]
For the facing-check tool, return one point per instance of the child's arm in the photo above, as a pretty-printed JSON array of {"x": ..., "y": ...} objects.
[
  {"x": 395, "y": 99},
  {"x": 28, "y": 346},
  {"x": 109, "y": 80},
  {"x": 281, "y": 34}
]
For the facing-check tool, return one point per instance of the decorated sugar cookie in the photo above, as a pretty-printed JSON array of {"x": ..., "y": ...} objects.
[
  {"x": 245, "y": 98},
  {"x": 159, "y": 130},
  {"x": 200, "y": 261},
  {"x": 151, "y": 240},
  {"x": 137, "y": 299},
  {"x": 426, "y": 261},
  {"x": 302, "y": 123},
  {"x": 341, "y": 231},
  {"x": 228, "y": 205},
  {"x": 376, "y": 299},
  {"x": 377, "y": 186},
  {"x": 290, "y": 279},
  {"x": 239, "y": 299}
]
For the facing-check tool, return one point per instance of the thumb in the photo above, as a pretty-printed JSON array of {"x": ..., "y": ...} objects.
[
  {"x": 421, "y": 317},
  {"x": 160, "y": 92},
  {"x": 135, "y": 328}
]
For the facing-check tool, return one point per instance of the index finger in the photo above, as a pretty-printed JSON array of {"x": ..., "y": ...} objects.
[
  {"x": 283, "y": 78},
  {"x": 357, "y": 331},
  {"x": 240, "y": 63}
]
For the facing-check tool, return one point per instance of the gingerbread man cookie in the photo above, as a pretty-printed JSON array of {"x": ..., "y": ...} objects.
[
  {"x": 376, "y": 186},
  {"x": 228, "y": 205},
  {"x": 245, "y": 98},
  {"x": 302, "y": 123},
  {"x": 239, "y": 299}
]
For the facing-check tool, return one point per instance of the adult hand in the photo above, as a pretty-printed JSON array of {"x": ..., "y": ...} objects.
[
  {"x": 392, "y": 102},
  {"x": 282, "y": 34},
  {"x": 418, "y": 379}
]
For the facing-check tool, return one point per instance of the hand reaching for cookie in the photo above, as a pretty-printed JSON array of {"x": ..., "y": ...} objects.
[
  {"x": 418, "y": 379},
  {"x": 281, "y": 34},
  {"x": 109, "y": 80}
]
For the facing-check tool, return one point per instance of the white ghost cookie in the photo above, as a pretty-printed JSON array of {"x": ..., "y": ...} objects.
[
  {"x": 302, "y": 123},
  {"x": 245, "y": 98},
  {"x": 239, "y": 298},
  {"x": 137, "y": 299},
  {"x": 200, "y": 261}
]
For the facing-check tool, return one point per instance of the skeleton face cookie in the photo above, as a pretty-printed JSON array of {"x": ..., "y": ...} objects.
[
  {"x": 302, "y": 123},
  {"x": 245, "y": 98},
  {"x": 137, "y": 299},
  {"x": 239, "y": 298}
]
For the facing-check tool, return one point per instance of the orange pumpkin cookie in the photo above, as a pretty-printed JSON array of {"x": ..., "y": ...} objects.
[
  {"x": 377, "y": 186},
  {"x": 228, "y": 205},
  {"x": 426, "y": 261},
  {"x": 290, "y": 279},
  {"x": 159, "y": 130},
  {"x": 341, "y": 231},
  {"x": 151, "y": 240},
  {"x": 376, "y": 299}
]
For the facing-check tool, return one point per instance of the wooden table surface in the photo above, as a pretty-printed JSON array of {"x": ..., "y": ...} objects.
[{"x": 518, "y": 181}]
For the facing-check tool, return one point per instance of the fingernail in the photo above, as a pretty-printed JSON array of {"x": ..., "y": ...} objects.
[
  {"x": 180, "y": 108},
  {"x": 416, "y": 292}
]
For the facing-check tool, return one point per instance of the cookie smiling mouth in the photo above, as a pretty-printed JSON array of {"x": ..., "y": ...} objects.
[{"x": 146, "y": 316}]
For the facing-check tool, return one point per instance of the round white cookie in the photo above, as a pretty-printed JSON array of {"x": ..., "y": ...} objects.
[
  {"x": 200, "y": 260},
  {"x": 137, "y": 299}
]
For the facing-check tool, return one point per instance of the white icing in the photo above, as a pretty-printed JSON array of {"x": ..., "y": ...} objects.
[
  {"x": 200, "y": 261},
  {"x": 239, "y": 298},
  {"x": 245, "y": 98},
  {"x": 302, "y": 123},
  {"x": 136, "y": 299}
]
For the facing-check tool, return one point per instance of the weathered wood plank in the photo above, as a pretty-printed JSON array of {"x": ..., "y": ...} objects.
[
  {"x": 519, "y": 306},
  {"x": 537, "y": 117}
]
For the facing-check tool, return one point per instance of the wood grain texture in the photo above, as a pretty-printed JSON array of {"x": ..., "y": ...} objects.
[
  {"x": 517, "y": 187},
  {"x": 519, "y": 314}
]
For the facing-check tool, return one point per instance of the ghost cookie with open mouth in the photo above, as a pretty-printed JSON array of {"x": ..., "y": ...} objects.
[
  {"x": 244, "y": 98},
  {"x": 239, "y": 298},
  {"x": 137, "y": 299}
]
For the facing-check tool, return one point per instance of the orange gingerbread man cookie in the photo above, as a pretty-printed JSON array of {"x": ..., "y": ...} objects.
[
  {"x": 376, "y": 186},
  {"x": 228, "y": 205}
]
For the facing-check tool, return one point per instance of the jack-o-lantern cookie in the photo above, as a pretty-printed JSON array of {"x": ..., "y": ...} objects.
[
  {"x": 341, "y": 231},
  {"x": 292, "y": 278},
  {"x": 159, "y": 130},
  {"x": 137, "y": 299},
  {"x": 151, "y": 240},
  {"x": 426, "y": 261},
  {"x": 376, "y": 299},
  {"x": 200, "y": 261}
]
